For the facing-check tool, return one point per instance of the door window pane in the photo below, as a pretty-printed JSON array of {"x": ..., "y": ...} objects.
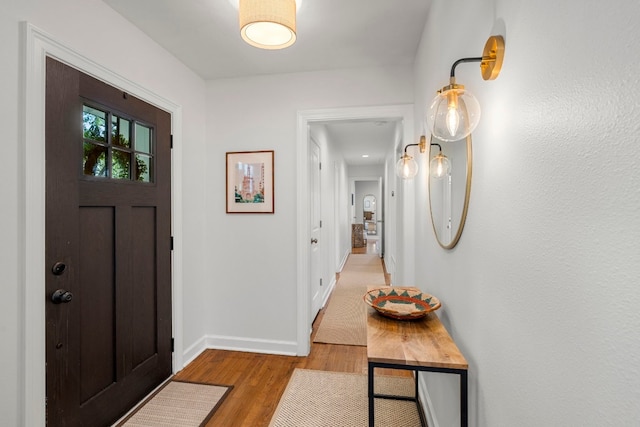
[
  {"x": 94, "y": 162},
  {"x": 143, "y": 138},
  {"x": 144, "y": 168},
  {"x": 121, "y": 164},
  {"x": 120, "y": 132},
  {"x": 94, "y": 124}
]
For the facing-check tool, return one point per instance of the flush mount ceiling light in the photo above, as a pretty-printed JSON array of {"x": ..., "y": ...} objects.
[
  {"x": 455, "y": 112},
  {"x": 268, "y": 24}
]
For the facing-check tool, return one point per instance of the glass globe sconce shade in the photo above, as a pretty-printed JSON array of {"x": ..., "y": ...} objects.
[
  {"x": 439, "y": 166},
  {"x": 454, "y": 113},
  {"x": 407, "y": 167}
]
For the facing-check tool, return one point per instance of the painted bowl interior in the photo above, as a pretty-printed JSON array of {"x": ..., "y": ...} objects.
[{"x": 401, "y": 303}]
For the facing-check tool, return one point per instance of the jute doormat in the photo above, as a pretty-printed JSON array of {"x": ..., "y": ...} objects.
[
  {"x": 337, "y": 399},
  {"x": 344, "y": 320},
  {"x": 178, "y": 404}
]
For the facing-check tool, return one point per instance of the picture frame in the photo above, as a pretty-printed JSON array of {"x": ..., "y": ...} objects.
[{"x": 250, "y": 182}]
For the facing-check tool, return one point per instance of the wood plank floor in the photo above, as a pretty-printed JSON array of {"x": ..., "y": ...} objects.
[{"x": 260, "y": 379}]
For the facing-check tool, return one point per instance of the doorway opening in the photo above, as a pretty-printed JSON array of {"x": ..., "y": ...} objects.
[{"x": 403, "y": 114}]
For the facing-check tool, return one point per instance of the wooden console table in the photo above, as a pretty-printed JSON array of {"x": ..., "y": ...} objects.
[{"x": 414, "y": 345}]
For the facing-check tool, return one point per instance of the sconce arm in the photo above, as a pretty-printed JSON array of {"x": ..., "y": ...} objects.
[
  {"x": 438, "y": 145},
  {"x": 461, "y": 60},
  {"x": 490, "y": 61},
  {"x": 409, "y": 145},
  {"x": 422, "y": 144}
]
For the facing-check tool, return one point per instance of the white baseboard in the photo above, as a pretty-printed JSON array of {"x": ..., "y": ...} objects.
[
  {"x": 390, "y": 263},
  {"x": 325, "y": 297},
  {"x": 344, "y": 260},
  {"x": 217, "y": 342},
  {"x": 427, "y": 405}
]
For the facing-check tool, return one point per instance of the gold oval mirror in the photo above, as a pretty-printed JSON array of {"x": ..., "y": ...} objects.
[{"x": 449, "y": 195}]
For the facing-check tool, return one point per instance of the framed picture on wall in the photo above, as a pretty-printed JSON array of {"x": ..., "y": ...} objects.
[{"x": 250, "y": 182}]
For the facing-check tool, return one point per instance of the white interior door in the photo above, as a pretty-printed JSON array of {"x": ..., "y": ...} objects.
[{"x": 315, "y": 262}]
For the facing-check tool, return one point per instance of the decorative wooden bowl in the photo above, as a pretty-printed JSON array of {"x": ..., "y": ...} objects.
[{"x": 401, "y": 303}]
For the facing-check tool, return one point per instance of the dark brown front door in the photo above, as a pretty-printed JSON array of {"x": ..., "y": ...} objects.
[{"x": 108, "y": 249}]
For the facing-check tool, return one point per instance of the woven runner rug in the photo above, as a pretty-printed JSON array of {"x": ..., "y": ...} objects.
[
  {"x": 178, "y": 404},
  {"x": 337, "y": 399},
  {"x": 344, "y": 320}
]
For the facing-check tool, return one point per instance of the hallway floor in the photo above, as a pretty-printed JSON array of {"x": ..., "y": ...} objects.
[{"x": 259, "y": 380}]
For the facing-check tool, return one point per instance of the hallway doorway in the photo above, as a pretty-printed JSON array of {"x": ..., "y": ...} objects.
[{"x": 401, "y": 114}]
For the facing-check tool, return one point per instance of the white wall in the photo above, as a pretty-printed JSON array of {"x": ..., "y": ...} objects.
[
  {"x": 84, "y": 26},
  {"x": 392, "y": 209},
  {"x": 256, "y": 287},
  {"x": 343, "y": 213},
  {"x": 541, "y": 294}
]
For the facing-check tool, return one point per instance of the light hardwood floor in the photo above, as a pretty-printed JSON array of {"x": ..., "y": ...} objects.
[{"x": 260, "y": 379}]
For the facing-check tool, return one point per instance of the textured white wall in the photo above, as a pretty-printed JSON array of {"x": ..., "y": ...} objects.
[
  {"x": 90, "y": 28},
  {"x": 257, "y": 283},
  {"x": 542, "y": 294}
]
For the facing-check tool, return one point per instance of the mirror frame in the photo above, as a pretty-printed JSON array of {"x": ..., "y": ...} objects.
[{"x": 465, "y": 208}]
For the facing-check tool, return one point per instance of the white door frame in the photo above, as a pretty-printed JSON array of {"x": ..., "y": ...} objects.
[
  {"x": 403, "y": 112},
  {"x": 37, "y": 46}
]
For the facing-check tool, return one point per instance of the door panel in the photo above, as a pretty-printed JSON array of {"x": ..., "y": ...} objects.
[
  {"x": 108, "y": 207},
  {"x": 96, "y": 299},
  {"x": 144, "y": 319},
  {"x": 316, "y": 228}
]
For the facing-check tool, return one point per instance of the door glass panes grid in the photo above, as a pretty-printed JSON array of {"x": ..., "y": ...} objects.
[{"x": 115, "y": 147}]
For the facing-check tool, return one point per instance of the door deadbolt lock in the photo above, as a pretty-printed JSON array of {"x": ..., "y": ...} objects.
[
  {"x": 58, "y": 268},
  {"x": 61, "y": 296}
]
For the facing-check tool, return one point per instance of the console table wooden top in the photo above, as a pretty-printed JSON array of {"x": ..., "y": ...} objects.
[{"x": 424, "y": 342}]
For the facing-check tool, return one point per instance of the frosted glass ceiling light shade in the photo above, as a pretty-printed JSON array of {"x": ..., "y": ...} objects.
[
  {"x": 268, "y": 24},
  {"x": 455, "y": 112},
  {"x": 407, "y": 167}
]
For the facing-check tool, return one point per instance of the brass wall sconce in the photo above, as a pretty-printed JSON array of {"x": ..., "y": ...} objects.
[
  {"x": 439, "y": 166},
  {"x": 455, "y": 112},
  {"x": 407, "y": 167}
]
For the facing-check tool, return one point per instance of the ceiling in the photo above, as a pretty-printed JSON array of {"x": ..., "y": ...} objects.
[
  {"x": 331, "y": 34},
  {"x": 355, "y": 138}
]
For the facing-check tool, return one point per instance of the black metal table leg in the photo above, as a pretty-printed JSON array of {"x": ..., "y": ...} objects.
[
  {"x": 464, "y": 386},
  {"x": 464, "y": 399},
  {"x": 371, "y": 398}
]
